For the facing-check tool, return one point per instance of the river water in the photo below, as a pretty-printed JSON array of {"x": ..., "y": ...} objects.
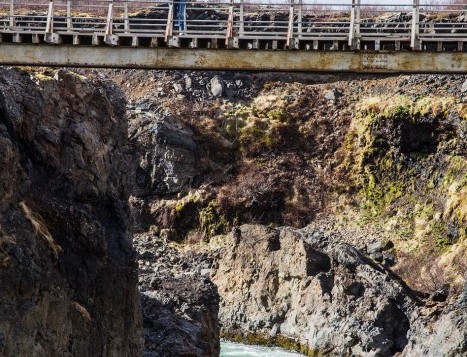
[{"x": 233, "y": 349}]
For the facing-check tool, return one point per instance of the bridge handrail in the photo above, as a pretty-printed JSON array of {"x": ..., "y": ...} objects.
[{"x": 287, "y": 20}]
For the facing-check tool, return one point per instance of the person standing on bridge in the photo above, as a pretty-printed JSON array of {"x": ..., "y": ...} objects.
[{"x": 180, "y": 8}]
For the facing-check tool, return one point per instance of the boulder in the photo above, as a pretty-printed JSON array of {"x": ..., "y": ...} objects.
[
  {"x": 464, "y": 87},
  {"x": 217, "y": 87}
]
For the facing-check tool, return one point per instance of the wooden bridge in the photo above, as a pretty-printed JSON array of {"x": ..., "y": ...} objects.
[{"x": 295, "y": 35}]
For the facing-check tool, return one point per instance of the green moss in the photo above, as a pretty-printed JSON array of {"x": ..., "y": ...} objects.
[
  {"x": 179, "y": 206},
  {"x": 183, "y": 203},
  {"x": 278, "y": 114},
  {"x": 279, "y": 340},
  {"x": 433, "y": 106},
  {"x": 401, "y": 107},
  {"x": 44, "y": 76},
  {"x": 259, "y": 135},
  {"x": 26, "y": 69},
  {"x": 78, "y": 76},
  {"x": 231, "y": 126},
  {"x": 379, "y": 195},
  {"x": 440, "y": 236},
  {"x": 397, "y": 107},
  {"x": 385, "y": 186},
  {"x": 256, "y": 133},
  {"x": 371, "y": 166},
  {"x": 462, "y": 110},
  {"x": 211, "y": 222},
  {"x": 268, "y": 86},
  {"x": 457, "y": 171},
  {"x": 455, "y": 182}
]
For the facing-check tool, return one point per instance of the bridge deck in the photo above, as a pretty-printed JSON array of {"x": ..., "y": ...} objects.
[{"x": 293, "y": 35}]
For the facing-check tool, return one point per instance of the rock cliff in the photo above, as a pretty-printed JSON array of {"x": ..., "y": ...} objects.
[
  {"x": 373, "y": 166},
  {"x": 370, "y": 158},
  {"x": 68, "y": 272},
  {"x": 180, "y": 305},
  {"x": 305, "y": 290}
]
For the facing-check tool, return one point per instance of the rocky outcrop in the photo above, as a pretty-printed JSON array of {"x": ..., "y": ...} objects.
[
  {"x": 215, "y": 150},
  {"x": 180, "y": 305},
  {"x": 165, "y": 156},
  {"x": 180, "y": 317},
  {"x": 68, "y": 272},
  {"x": 444, "y": 335},
  {"x": 279, "y": 285},
  {"x": 165, "y": 152}
]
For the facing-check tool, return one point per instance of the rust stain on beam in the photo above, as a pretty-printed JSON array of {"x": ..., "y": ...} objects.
[{"x": 222, "y": 59}]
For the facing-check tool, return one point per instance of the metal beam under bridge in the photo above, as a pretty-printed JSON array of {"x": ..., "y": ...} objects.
[{"x": 223, "y": 59}]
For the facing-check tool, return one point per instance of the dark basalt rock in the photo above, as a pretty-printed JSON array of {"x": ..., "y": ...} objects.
[
  {"x": 180, "y": 305},
  {"x": 180, "y": 317},
  {"x": 68, "y": 273}
]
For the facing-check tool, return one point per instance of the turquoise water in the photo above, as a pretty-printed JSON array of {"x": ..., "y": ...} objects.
[{"x": 232, "y": 349}]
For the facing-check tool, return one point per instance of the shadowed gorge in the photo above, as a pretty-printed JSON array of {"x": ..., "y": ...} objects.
[
  {"x": 149, "y": 213},
  {"x": 372, "y": 169}
]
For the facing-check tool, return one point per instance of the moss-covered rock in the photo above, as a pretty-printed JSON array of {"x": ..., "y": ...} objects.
[
  {"x": 279, "y": 340},
  {"x": 401, "y": 158}
]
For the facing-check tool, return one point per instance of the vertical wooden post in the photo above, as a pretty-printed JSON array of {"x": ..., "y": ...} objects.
[
  {"x": 169, "y": 26},
  {"x": 185, "y": 27},
  {"x": 290, "y": 27},
  {"x": 50, "y": 36},
  {"x": 414, "y": 38},
  {"x": 242, "y": 24},
  {"x": 108, "y": 24},
  {"x": 352, "y": 23},
  {"x": 300, "y": 28},
  {"x": 358, "y": 11},
  {"x": 49, "y": 26},
  {"x": 12, "y": 13},
  {"x": 69, "y": 23},
  {"x": 354, "y": 31},
  {"x": 229, "y": 30},
  {"x": 109, "y": 37},
  {"x": 127, "y": 20}
]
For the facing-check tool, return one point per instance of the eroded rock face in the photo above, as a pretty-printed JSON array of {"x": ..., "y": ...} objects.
[
  {"x": 165, "y": 155},
  {"x": 180, "y": 306},
  {"x": 68, "y": 273},
  {"x": 299, "y": 284},
  {"x": 165, "y": 152},
  {"x": 443, "y": 336},
  {"x": 180, "y": 317}
]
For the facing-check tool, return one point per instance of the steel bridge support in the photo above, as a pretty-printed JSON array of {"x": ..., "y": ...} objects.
[{"x": 240, "y": 59}]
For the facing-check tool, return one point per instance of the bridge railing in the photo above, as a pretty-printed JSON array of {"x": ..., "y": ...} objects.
[
  {"x": 442, "y": 22},
  {"x": 18, "y": 14},
  {"x": 290, "y": 21},
  {"x": 146, "y": 18}
]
